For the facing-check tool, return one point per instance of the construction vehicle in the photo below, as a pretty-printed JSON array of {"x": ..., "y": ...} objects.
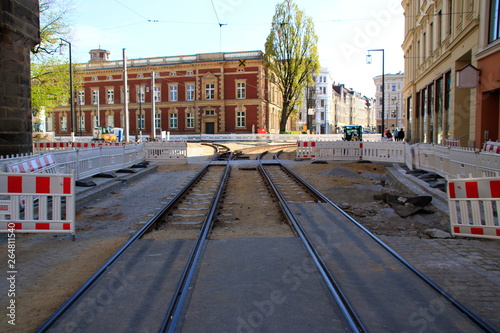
[
  {"x": 107, "y": 134},
  {"x": 353, "y": 133}
]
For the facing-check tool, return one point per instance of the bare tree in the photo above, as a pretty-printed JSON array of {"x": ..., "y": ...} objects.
[{"x": 291, "y": 55}]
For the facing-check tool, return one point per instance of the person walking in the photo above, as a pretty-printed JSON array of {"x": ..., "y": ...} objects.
[
  {"x": 401, "y": 135},
  {"x": 395, "y": 135}
]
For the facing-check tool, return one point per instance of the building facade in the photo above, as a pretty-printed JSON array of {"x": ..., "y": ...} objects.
[
  {"x": 351, "y": 108},
  {"x": 202, "y": 93},
  {"x": 19, "y": 33},
  {"x": 394, "y": 115},
  {"x": 316, "y": 111},
  {"x": 441, "y": 48}
]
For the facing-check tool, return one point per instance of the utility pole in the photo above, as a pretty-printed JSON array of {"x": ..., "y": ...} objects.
[
  {"x": 125, "y": 96},
  {"x": 153, "y": 107}
]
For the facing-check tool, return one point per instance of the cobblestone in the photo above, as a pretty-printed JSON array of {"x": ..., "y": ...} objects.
[{"x": 467, "y": 269}]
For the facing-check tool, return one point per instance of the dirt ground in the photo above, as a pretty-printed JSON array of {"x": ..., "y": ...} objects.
[{"x": 52, "y": 267}]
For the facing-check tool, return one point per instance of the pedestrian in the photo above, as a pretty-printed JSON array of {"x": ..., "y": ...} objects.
[
  {"x": 401, "y": 134},
  {"x": 395, "y": 134}
]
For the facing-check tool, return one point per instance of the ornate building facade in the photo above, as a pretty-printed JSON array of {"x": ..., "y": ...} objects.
[
  {"x": 452, "y": 71},
  {"x": 203, "y": 93}
]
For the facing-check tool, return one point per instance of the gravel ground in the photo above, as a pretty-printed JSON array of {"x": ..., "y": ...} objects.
[{"x": 52, "y": 267}]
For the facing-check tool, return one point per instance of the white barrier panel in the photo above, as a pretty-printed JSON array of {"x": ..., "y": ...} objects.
[
  {"x": 49, "y": 203},
  {"x": 474, "y": 204},
  {"x": 352, "y": 151},
  {"x": 166, "y": 151}
]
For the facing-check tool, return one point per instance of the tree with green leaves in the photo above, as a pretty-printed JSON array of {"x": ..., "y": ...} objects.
[
  {"x": 50, "y": 71},
  {"x": 291, "y": 55}
]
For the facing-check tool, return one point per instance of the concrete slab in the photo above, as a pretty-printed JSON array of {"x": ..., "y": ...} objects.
[
  {"x": 259, "y": 285},
  {"x": 134, "y": 294},
  {"x": 387, "y": 296}
]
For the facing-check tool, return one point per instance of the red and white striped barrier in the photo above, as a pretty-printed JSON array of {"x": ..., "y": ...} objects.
[
  {"x": 52, "y": 212},
  {"x": 491, "y": 147},
  {"x": 44, "y": 163},
  {"x": 44, "y": 146},
  {"x": 474, "y": 205},
  {"x": 305, "y": 149}
]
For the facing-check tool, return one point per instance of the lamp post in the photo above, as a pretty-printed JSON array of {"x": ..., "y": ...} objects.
[
  {"x": 395, "y": 101},
  {"x": 368, "y": 61},
  {"x": 72, "y": 110},
  {"x": 141, "y": 120}
]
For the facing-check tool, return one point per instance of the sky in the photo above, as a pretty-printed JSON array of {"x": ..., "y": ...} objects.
[{"x": 346, "y": 30}]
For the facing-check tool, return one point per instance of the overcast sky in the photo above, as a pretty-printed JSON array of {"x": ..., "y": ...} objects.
[{"x": 153, "y": 28}]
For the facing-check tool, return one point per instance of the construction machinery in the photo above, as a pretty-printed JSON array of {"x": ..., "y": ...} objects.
[
  {"x": 353, "y": 133},
  {"x": 106, "y": 134}
]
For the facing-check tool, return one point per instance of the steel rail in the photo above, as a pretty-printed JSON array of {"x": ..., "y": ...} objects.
[
  {"x": 81, "y": 291},
  {"x": 474, "y": 318},
  {"x": 348, "y": 311},
  {"x": 174, "y": 311}
]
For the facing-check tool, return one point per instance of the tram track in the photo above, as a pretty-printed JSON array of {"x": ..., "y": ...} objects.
[{"x": 207, "y": 204}]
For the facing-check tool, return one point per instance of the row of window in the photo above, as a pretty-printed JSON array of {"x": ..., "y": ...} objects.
[
  {"x": 173, "y": 93},
  {"x": 172, "y": 121}
]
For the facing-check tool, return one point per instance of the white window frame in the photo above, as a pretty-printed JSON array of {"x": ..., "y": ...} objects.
[
  {"x": 110, "y": 96},
  {"x": 189, "y": 120},
  {"x": 190, "y": 92},
  {"x": 173, "y": 94},
  {"x": 141, "y": 96},
  {"x": 110, "y": 120},
  {"x": 81, "y": 123},
  {"x": 241, "y": 90},
  {"x": 81, "y": 97},
  {"x": 63, "y": 123},
  {"x": 173, "y": 120},
  {"x": 157, "y": 120},
  {"x": 240, "y": 119},
  {"x": 95, "y": 96},
  {"x": 209, "y": 91},
  {"x": 157, "y": 94},
  {"x": 140, "y": 121}
]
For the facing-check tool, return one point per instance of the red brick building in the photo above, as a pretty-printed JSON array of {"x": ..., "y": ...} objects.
[{"x": 202, "y": 93}]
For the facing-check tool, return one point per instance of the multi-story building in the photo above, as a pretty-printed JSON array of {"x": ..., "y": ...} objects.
[
  {"x": 394, "y": 115},
  {"x": 316, "y": 111},
  {"x": 202, "y": 93},
  {"x": 351, "y": 108},
  {"x": 447, "y": 46}
]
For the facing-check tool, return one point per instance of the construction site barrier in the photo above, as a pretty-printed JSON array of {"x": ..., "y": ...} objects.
[
  {"x": 51, "y": 146},
  {"x": 43, "y": 163},
  {"x": 474, "y": 204},
  {"x": 37, "y": 203},
  {"x": 166, "y": 151},
  {"x": 352, "y": 151}
]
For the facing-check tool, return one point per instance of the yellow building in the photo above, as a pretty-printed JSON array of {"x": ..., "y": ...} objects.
[{"x": 441, "y": 68}]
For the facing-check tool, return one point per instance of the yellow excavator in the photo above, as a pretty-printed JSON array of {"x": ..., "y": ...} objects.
[{"x": 104, "y": 134}]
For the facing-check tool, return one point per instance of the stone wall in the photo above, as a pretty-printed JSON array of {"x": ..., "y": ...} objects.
[{"x": 19, "y": 32}]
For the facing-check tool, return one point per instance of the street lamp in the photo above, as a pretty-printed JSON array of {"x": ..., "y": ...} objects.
[
  {"x": 72, "y": 111},
  {"x": 369, "y": 61},
  {"x": 396, "y": 101}
]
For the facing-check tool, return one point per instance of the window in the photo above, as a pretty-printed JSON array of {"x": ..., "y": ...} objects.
[
  {"x": 190, "y": 73},
  {"x": 322, "y": 103},
  {"x": 95, "y": 121},
  {"x": 157, "y": 94},
  {"x": 210, "y": 91},
  {"x": 393, "y": 87},
  {"x": 110, "y": 95},
  {"x": 173, "y": 93},
  {"x": 81, "y": 97},
  {"x": 209, "y": 112},
  {"x": 81, "y": 123},
  {"x": 173, "y": 73},
  {"x": 190, "y": 92},
  {"x": 189, "y": 120},
  {"x": 322, "y": 115},
  {"x": 240, "y": 90},
  {"x": 50, "y": 125},
  {"x": 64, "y": 123},
  {"x": 240, "y": 119},
  {"x": 110, "y": 120},
  {"x": 140, "y": 121},
  {"x": 494, "y": 23},
  {"x": 140, "y": 94},
  {"x": 95, "y": 97},
  {"x": 157, "y": 120},
  {"x": 172, "y": 121}
]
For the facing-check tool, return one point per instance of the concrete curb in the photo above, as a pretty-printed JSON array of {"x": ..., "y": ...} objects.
[
  {"x": 84, "y": 195},
  {"x": 397, "y": 174}
]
